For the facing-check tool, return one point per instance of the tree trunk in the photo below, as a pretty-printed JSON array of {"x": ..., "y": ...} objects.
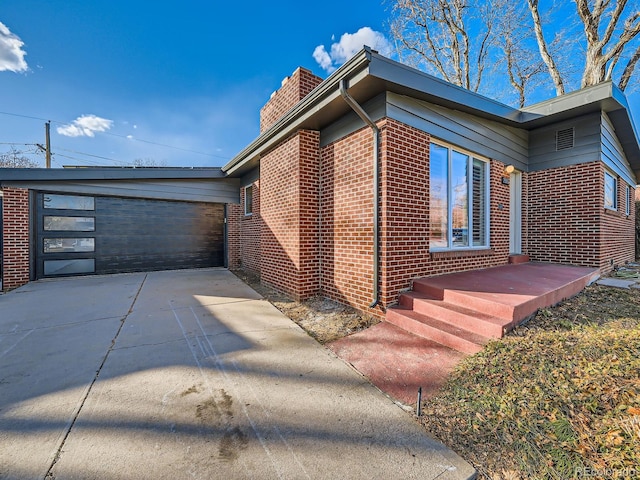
[{"x": 544, "y": 50}]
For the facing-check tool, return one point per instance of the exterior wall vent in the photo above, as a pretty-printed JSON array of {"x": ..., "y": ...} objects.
[{"x": 564, "y": 139}]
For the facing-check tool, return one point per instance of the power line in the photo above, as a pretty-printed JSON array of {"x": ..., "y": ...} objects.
[
  {"x": 23, "y": 116},
  {"x": 128, "y": 137},
  {"x": 91, "y": 155},
  {"x": 163, "y": 145}
]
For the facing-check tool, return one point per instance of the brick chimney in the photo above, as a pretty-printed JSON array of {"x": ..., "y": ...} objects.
[{"x": 293, "y": 89}]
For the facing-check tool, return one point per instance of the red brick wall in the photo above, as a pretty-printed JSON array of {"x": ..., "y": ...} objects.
[
  {"x": 404, "y": 212},
  {"x": 289, "y": 198},
  {"x": 346, "y": 206},
  {"x": 293, "y": 89},
  {"x": 234, "y": 245},
  {"x": 309, "y": 194},
  {"x": 317, "y": 217},
  {"x": 617, "y": 237},
  {"x": 568, "y": 222},
  {"x": 525, "y": 213},
  {"x": 249, "y": 231},
  {"x": 15, "y": 235},
  {"x": 347, "y": 217}
]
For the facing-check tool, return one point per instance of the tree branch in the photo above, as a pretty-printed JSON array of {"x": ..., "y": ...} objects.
[
  {"x": 542, "y": 45},
  {"x": 628, "y": 70}
]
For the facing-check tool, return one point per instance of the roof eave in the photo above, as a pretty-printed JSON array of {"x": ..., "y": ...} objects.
[
  {"x": 323, "y": 94},
  {"x": 604, "y": 97},
  {"x": 107, "y": 173},
  {"x": 369, "y": 74}
]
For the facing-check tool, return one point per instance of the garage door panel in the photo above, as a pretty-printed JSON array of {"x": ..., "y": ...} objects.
[
  {"x": 136, "y": 263},
  {"x": 132, "y": 235}
]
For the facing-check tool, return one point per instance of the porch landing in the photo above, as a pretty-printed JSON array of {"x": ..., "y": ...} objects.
[{"x": 449, "y": 316}]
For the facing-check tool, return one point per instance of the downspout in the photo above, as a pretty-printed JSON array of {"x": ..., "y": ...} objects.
[{"x": 376, "y": 213}]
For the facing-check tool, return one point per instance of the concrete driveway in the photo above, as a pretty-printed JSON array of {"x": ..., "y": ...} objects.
[{"x": 188, "y": 374}]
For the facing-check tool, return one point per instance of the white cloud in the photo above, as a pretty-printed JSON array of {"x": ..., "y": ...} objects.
[
  {"x": 11, "y": 52},
  {"x": 85, "y": 126},
  {"x": 323, "y": 58},
  {"x": 348, "y": 46}
]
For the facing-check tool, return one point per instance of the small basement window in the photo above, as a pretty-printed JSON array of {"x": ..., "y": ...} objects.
[
  {"x": 610, "y": 191},
  {"x": 248, "y": 200}
]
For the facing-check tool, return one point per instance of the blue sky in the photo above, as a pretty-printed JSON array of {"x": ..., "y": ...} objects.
[
  {"x": 180, "y": 83},
  {"x": 190, "y": 75}
]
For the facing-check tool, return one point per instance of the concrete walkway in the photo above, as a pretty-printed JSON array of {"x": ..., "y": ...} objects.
[{"x": 188, "y": 374}]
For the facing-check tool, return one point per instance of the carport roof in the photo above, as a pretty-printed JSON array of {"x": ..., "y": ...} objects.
[
  {"x": 108, "y": 173},
  {"x": 209, "y": 185}
]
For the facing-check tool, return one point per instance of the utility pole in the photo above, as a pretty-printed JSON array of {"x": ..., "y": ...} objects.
[{"x": 47, "y": 128}]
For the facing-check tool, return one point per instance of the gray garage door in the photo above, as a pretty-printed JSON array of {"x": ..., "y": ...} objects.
[{"x": 77, "y": 235}]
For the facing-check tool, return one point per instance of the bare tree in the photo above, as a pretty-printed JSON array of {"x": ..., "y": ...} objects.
[
  {"x": 514, "y": 38},
  {"x": 436, "y": 34},
  {"x": 148, "y": 162},
  {"x": 606, "y": 41},
  {"x": 544, "y": 49},
  {"x": 15, "y": 159},
  {"x": 458, "y": 40},
  {"x": 628, "y": 71}
]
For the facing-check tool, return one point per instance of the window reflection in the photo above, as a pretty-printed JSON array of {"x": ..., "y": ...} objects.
[
  {"x": 57, "y": 245},
  {"x": 68, "y": 202},
  {"x": 69, "y": 224}
]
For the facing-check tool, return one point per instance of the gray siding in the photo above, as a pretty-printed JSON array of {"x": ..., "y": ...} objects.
[
  {"x": 250, "y": 177},
  {"x": 207, "y": 191},
  {"x": 613, "y": 154},
  {"x": 375, "y": 108},
  {"x": 481, "y": 136},
  {"x": 595, "y": 139},
  {"x": 542, "y": 146}
]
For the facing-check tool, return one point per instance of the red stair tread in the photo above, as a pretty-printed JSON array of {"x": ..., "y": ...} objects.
[
  {"x": 465, "y": 336},
  {"x": 459, "y": 309}
]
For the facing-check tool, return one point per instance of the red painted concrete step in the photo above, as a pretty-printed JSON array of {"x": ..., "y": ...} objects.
[
  {"x": 433, "y": 329},
  {"x": 463, "y": 310},
  {"x": 489, "y": 303},
  {"x": 460, "y": 316},
  {"x": 511, "y": 292}
]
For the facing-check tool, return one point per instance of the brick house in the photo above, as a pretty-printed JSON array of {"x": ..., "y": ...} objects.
[
  {"x": 355, "y": 186},
  {"x": 380, "y": 174}
]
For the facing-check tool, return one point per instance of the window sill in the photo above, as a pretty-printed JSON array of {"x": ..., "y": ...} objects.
[{"x": 444, "y": 254}]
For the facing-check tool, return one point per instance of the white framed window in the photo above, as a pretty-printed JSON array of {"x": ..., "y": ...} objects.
[
  {"x": 459, "y": 199},
  {"x": 248, "y": 200},
  {"x": 610, "y": 191},
  {"x": 628, "y": 201}
]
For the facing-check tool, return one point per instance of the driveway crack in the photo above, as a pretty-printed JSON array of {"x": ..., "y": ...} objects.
[{"x": 50, "y": 475}]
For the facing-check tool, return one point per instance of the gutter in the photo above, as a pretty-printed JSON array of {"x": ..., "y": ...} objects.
[{"x": 376, "y": 187}]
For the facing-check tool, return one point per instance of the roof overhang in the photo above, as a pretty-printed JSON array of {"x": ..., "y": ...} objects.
[
  {"x": 107, "y": 173},
  {"x": 369, "y": 74},
  {"x": 605, "y": 97},
  {"x": 206, "y": 185}
]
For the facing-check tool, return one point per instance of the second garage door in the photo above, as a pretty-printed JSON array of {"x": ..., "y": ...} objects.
[{"x": 85, "y": 234}]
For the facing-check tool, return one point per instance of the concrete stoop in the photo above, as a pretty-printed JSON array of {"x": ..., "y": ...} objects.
[{"x": 463, "y": 311}]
